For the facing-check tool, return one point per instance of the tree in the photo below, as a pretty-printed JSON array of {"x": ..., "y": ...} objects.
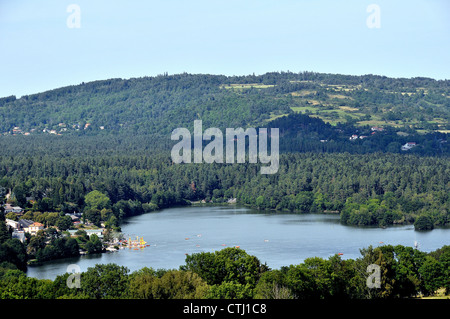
[
  {"x": 4, "y": 232},
  {"x": 15, "y": 284},
  {"x": 383, "y": 259},
  {"x": 94, "y": 245},
  {"x": 227, "y": 265},
  {"x": 12, "y": 251},
  {"x": 97, "y": 200},
  {"x": 272, "y": 285},
  {"x": 432, "y": 275},
  {"x": 179, "y": 284},
  {"x": 105, "y": 281},
  {"x": 64, "y": 222},
  {"x": 230, "y": 290},
  {"x": 423, "y": 222},
  {"x": 142, "y": 283}
]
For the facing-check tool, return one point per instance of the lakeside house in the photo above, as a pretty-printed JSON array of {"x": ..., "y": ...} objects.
[{"x": 89, "y": 232}]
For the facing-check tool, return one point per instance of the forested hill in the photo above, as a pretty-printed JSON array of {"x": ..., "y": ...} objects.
[{"x": 334, "y": 108}]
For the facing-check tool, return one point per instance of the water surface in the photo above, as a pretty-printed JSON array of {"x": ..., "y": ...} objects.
[{"x": 278, "y": 239}]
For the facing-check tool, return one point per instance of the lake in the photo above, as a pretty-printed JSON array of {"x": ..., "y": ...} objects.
[{"x": 278, "y": 239}]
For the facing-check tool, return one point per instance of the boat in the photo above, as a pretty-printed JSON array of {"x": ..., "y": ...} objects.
[{"x": 141, "y": 243}]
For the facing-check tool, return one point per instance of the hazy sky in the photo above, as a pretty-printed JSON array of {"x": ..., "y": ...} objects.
[{"x": 41, "y": 50}]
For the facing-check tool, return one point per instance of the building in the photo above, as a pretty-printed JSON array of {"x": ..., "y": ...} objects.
[
  {"x": 13, "y": 209},
  {"x": 25, "y": 223},
  {"x": 89, "y": 232},
  {"x": 19, "y": 234},
  {"x": 24, "y": 226},
  {"x": 12, "y": 224},
  {"x": 34, "y": 228},
  {"x": 408, "y": 146}
]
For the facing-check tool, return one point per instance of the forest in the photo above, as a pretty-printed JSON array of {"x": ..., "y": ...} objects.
[
  {"x": 102, "y": 149},
  {"x": 231, "y": 273}
]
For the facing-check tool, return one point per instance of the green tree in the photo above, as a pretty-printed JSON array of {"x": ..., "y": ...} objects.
[
  {"x": 423, "y": 222},
  {"x": 230, "y": 290},
  {"x": 97, "y": 200},
  {"x": 432, "y": 275},
  {"x": 64, "y": 222},
  {"x": 179, "y": 284},
  {"x": 94, "y": 245},
  {"x": 227, "y": 265},
  {"x": 105, "y": 281},
  {"x": 12, "y": 251}
]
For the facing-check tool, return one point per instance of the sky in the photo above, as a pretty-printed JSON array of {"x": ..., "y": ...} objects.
[{"x": 51, "y": 44}]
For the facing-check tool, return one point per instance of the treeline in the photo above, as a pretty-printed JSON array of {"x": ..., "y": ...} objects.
[
  {"x": 391, "y": 188},
  {"x": 231, "y": 273}
]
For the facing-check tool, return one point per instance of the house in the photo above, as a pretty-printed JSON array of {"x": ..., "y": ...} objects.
[
  {"x": 353, "y": 137},
  {"x": 12, "y": 224},
  {"x": 89, "y": 232},
  {"x": 24, "y": 223},
  {"x": 408, "y": 146},
  {"x": 13, "y": 209},
  {"x": 377, "y": 129},
  {"x": 34, "y": 228},
  {"x": 75, "y": 218}
]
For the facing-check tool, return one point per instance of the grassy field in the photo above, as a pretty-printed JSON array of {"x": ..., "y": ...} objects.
[{"x": 332, "y": 107}]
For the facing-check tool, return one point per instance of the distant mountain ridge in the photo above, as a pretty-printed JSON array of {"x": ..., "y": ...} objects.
[{"x": 157, "y": 105}]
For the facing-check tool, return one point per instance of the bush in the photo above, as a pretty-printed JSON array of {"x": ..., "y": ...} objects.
[{"x": 423, "y": 222}]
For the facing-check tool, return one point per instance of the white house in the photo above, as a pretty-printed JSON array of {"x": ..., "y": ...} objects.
[
  {"x": 12, "y": 224},
  {"x": 34, "y": 228},
  {"x": 408, "y": 146}
]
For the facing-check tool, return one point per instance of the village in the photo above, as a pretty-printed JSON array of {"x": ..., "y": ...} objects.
[
  {"x": 58, "y": 129},
  {"x": 23, "y": 229}
]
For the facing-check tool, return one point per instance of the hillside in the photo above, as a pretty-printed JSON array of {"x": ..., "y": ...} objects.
[{"x": 407, "y": 110}]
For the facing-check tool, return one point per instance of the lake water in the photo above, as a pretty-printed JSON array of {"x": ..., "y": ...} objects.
[{"x": 278, "y": 239}]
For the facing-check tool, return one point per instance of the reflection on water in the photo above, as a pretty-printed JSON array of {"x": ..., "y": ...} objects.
[{"x": 278, "y": 239}]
